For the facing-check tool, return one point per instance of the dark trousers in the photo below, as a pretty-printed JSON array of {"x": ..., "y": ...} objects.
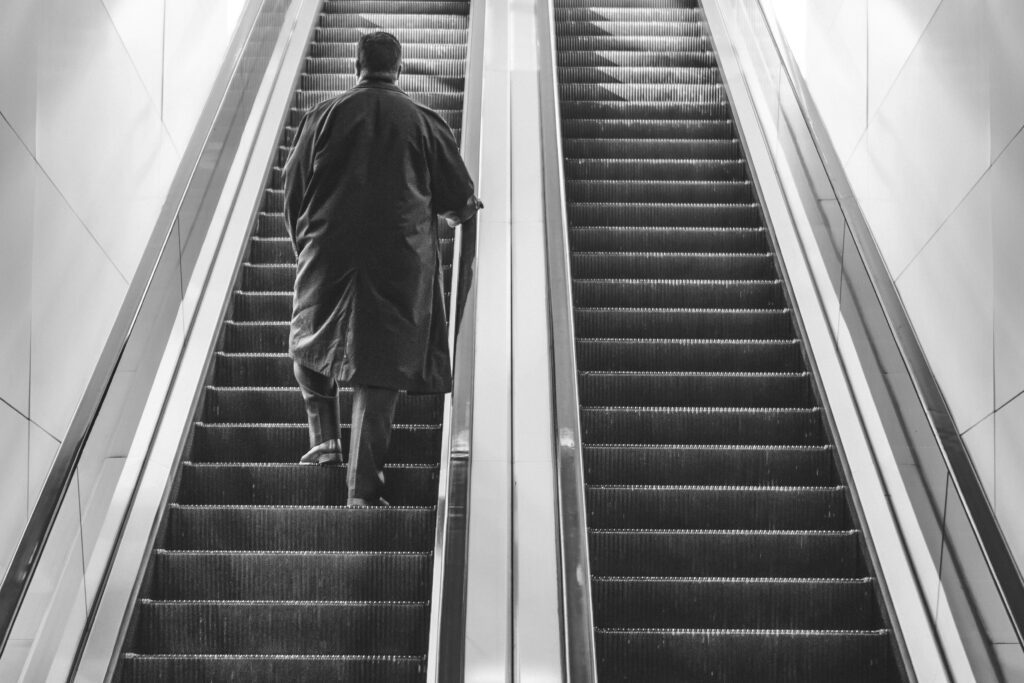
[{"x": 373, "y": 414}]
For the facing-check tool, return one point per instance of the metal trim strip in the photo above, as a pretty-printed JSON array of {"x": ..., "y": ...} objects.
[{"x": 580, "y": 658}]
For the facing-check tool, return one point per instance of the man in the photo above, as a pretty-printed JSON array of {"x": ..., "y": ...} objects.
[{"x": 369, "y": 173}]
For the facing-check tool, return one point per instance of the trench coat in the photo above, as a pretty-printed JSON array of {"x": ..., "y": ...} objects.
[{"x": 370, "y": 171}]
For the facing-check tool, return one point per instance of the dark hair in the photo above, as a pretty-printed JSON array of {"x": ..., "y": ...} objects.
[{"x": 379, "y": 52}]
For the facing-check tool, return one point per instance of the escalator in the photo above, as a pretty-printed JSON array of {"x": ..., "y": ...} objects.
[
  {"x": 723, "y": 540},
  {"x": 259, "y": 571}
]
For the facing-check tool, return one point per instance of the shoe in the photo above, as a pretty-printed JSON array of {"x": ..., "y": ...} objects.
[
  {"x": 368, "y": 503},
  {"x": 326, "y": 453}
]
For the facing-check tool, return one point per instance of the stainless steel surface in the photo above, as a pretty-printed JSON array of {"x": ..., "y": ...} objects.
[
  {"x": 446, "y": 652},
  {"x": 579, "y": 655},
  {"x": 488, "y": 646},
  {"x": 537, "y": 622},
  {"x": 963, "y": 557},
  {"x": 108, "y": 415}
]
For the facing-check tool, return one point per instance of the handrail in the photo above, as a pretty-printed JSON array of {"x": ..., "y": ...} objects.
[
  {"x": 30, "y": 549},
  {"x": 579, "y": 658},
  {"x": 930, "y": 404},
  {"x": 446, "y": 649}
]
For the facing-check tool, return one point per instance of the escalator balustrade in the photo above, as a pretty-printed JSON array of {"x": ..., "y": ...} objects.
[
  {"x": 723, "y": 545},
  {"x": 259, "y": 571}
]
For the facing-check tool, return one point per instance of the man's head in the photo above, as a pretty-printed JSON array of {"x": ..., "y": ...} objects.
[{"x": 379, "y": 56}]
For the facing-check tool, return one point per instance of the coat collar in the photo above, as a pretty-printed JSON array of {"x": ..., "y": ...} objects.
[{"x": 381, "y": 84}]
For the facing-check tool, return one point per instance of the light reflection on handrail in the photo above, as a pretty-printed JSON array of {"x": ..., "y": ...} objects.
[
  {"x": 446, "y": 650},
  {"x": 577, "y": 610}
]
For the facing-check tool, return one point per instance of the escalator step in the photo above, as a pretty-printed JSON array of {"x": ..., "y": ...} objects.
[
  {"x": 272, "y": 668},
  {"x": 679, "y": 293},
  {"x": 410, "y": 83},
  {"x": 727, "y": 389},
  {"x": 614, "y": 108},
  {"x": 677, "y": 43},
  {"x": 284, "y": 404},
  {"x": 390, "y": 22},
  {"x": 801, "y": 508},
  {"x": 285, "y": 443},
  {"x": 712, "y": 355},
  {"x": 280, "y": 277},
  {"x": 294, "y": 484},
  {"x": 424, "y": 50},
  {"x": 631, "y": 58},
  {"x": 271, "y": 250},
  {"x": 447, "y": 68},
  {"x": 657, "y": 656},
  {"x": 396, "y": 6},
  {"x": 651, "y": 149},
  {"x": 680, "y": 323},
  {"x": 632, "y": 29},
  {"x": 265, "y": 627},
  {"x": 654, "y": 128},
  {"x": 622, "y": 12},
  {"x": 712, "y": 426},
  {"x": 435, "y": 100},
  {"x": 654, "y": 265},
  {"x": 590, "y": 4},
  {"x": 410, "y": 36},
  {"x": 665, "y": 238},
  {"x": 708, "y": 466},
  {"x": 209, "y": 575},
  {"x": 638, "y": 75},
  {"x": 697, "y": 215},
  {"x": 656, "y": 169},
  {"x": 662, "y": 191},
  {"x": 305, "y": 528},
  {"x": 724, "y": 553},
  {"x": 734, "y": 603}
]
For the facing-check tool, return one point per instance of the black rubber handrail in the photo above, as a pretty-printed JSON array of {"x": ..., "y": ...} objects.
[{"x": 54, "y": 490}]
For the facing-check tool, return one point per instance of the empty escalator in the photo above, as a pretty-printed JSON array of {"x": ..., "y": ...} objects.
[
  {"x": 723, "y": 542},
  {"x": 259, "y": 571}
]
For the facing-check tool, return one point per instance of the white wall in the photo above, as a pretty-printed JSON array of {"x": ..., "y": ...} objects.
[
  {"x": 98, "y": 99},
  {"x": 924, "y": 102}
]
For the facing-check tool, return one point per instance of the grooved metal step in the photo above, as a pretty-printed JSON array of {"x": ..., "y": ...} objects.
[
  {"x": 260, "y": 572},
  {"x": 722, "y": 542}
]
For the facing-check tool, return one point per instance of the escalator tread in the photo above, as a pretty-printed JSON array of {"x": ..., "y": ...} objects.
[
  {"x": 723, "y": 543},
  {"x": 259, "y": 571}
]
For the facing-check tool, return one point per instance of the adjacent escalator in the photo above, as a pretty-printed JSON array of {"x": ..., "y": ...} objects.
[
  {"x": 723, "y": 541},
  {"x": 259, "y": 571}
]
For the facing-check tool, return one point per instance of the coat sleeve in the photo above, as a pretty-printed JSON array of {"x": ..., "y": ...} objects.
[
  {"x": 297, "y": 171},
  {"x": 450, "y": 185}
]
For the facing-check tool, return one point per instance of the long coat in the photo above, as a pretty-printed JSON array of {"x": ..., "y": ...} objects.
[{"x": 369, "y": 173}]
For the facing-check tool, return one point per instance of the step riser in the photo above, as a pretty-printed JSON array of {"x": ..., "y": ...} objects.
[
  {"x": 668, "y": 356},
  {"x": 310, "y": 629},
  {"x": 707, "y": 294},
  {"x": 311, "y": 529},
  {"x": 293, "y": 576},
  {"x": 796, "y": 509},
  {"x": 641, "y": 466},
  {"x": 286, "y": 405},
  {"x": 668, "y": 426},
  {"x": 668, "y": 239},
  {"x": 286, "y": 444},
  {"x": 298, "y": 485},
  {"x": 735, "y": 604},
  {"x": 758, "y": 391},
  {"x": 723, "y": 554},
  {"x": 658, "y": 658},
  {"x": 656, "y": 169},
  {"x": 659, "y": 324},
  {"x": 264, "y": 670}
]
